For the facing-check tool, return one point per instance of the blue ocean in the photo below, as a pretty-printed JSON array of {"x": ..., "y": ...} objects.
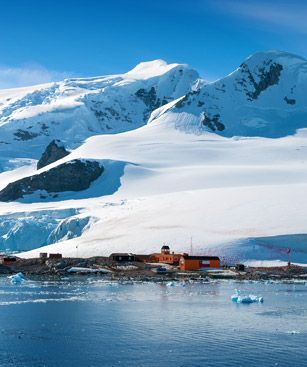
[{"x": 91, "y": 322}]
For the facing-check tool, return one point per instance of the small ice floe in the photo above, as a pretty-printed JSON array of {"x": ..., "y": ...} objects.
[
  {"x": 293, "y": 332},
  {"x": 170, "y": 284},
  {"x": 237, "y": 298},
  {"x": 17, "y": 278}
]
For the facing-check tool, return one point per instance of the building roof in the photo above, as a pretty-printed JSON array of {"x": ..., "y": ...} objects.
[
  {"x": 200, "y": 257},
  {"x": 165, "y": 247}
]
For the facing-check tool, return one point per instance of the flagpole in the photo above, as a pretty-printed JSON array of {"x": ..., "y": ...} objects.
[{"x": 289, "y": 258}]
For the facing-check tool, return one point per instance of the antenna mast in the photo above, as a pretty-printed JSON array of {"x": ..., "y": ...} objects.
[{"x": 191, "y": 245}]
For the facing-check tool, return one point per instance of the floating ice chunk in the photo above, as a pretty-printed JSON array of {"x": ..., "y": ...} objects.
[
  {"x": 17, "y": 278},
  {"x": 170, "y": 284},
  {"x": 245, "y": 299},
  {"x": 250, "y": 299},
  {"x": 235, "y": 296}
]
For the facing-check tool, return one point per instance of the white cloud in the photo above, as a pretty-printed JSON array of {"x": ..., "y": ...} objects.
[
  {"x": 286, "y": 14},
  {"x": 30, "y": 74}
]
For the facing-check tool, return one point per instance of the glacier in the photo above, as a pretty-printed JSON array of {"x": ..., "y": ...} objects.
[{"x": 24, "y": 231}]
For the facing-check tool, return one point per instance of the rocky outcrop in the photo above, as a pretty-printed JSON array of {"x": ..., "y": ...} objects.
[
  {"x": 76, "y": 175},
  {"x": 54, "y": 151},
  {"x": 150, "y": 99},
  {"x": 267, "y": 76},
  {"x": 213, "y": 122},
  {"x": 290, "y": 101},
  {"x": 187, "y": 99},
  {"x": 25, "y": 135}
]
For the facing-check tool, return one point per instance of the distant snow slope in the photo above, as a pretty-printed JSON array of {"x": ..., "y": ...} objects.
[{"x": 242, "y": 197}]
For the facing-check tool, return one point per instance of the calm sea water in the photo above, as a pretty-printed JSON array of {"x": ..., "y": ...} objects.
[{"x": 90, "y": 322}]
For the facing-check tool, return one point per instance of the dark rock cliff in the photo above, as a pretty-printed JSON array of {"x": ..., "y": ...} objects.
[{"x": 74, "y": 175}]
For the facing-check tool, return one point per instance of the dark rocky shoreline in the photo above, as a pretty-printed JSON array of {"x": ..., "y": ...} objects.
[{"x": 105, "y": 268}]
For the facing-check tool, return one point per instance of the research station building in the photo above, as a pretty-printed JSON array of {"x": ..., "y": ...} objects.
[{"x": 198, "y": 262}]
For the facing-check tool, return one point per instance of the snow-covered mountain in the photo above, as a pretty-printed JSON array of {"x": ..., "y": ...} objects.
[
  {"x": 75, "y": 109},
  {"x": 265, "y": 96},
  {"x": 222, "y": 162}
]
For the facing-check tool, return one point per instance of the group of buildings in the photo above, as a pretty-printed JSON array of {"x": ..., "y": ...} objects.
[
  {"x": 11, "y": 259},
  {"x": 184, "y": 261}
]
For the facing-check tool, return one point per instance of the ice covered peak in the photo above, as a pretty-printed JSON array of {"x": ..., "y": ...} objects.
[
  {"x": 264, "y": 58},
  {"x": 264, "y": 96},
  {"x": 150, "y": 69}
]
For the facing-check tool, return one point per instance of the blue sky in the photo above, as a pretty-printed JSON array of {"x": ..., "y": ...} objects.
[{"x": 42, "y": 41}]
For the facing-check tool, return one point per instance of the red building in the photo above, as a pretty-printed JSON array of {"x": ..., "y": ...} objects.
[{"x": 198, "y": 262}]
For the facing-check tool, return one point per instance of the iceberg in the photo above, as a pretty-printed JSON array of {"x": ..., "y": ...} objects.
[
  {"x": 17, "y": 278},
  {"x": 237, "y": 298}
]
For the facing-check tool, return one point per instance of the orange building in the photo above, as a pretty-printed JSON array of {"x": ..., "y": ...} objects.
[
  {"x": 198, "y": 262},
  {"x": 166, "y": 256}
]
